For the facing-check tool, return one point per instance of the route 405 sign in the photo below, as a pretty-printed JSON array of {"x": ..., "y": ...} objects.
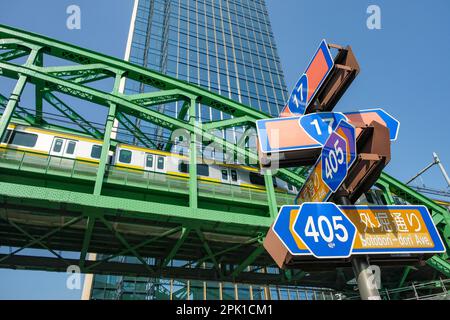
[
  {"x": 338, "y": 155},
  {"x": 327, "y": 231}
]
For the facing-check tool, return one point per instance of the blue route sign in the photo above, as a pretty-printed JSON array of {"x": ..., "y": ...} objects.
[
  {"x": 338, "y": 155},
  {"x": 334, "y": 164},
  {"x": 330, "y": 170},
  {"x": 310, "y": 82},
  {"x": 319, "y": 126},
  {"x": 283, "y": 229},
  {"x": 325, "y": 230}
]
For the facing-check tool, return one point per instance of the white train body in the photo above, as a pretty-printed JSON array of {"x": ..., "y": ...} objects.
[{"x": 53, "y": 143}]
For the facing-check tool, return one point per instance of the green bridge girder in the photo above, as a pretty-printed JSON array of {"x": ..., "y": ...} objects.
[{"x": 58, "y": 204}]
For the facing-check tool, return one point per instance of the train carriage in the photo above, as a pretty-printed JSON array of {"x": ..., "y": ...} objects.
[{"x": 130, "y": 157}]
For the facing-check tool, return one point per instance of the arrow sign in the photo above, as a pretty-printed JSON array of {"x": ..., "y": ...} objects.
[
  {"x": 283, "y": 229},
  {"x": 327, "y": 231},
  {"x": 379, "y": 115},
  {"x": 297, "y": 133},
  {"x": 312, "y": 131},
  {"x": 310, "y": 82},
  {"x": 330, "y": 171}
]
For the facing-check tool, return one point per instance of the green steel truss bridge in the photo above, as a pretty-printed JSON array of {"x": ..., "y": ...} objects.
[{"x": 218, "y": 230}]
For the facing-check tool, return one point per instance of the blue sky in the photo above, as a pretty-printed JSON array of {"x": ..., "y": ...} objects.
[{"x": 405, "y": 69}]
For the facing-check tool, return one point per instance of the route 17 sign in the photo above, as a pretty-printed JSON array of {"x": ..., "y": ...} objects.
[
  {"x": 338, "y": 155},
  {"x": 310, "y": 82},
  {"x": 312, "y": 131}
]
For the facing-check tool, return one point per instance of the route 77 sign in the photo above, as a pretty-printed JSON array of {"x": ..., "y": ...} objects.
[
  {"x": 338, "y": 155},
  {"x": 328, "y": 231}
]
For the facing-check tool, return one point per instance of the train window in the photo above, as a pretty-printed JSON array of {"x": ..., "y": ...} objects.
[
  {"x": 71, "y": 147},
  {"x": 290, "y": 187},
  {"x": 57, "y": 146},
  {"x": 256, "y": 179},
  {"x": 149, "y": 161},
  {"x": 125, "y": 156},
  {"x": 6, "y": 136},
  {"x": 24, "y": 139},
  {"x": 96, "y": 151},
  {"x": 234, "y": 176},
  {"x": 202, "y": 169},
  {"x": 160, "y": 164},
  {"x": 224, "y": 174},
  {"x": 183, "y": 167}
]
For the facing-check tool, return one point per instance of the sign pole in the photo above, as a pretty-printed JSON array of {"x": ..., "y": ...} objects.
[{"x": 367, "y": 286}]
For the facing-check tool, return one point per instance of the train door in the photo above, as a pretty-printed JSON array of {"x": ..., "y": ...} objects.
[
  {"x": 63, "y": 147},
  {"x": 149, "y": 162},
  {"x": 225, "y": 175},
  {"x": 156, "y": 163},
  {"x": 229, "y": 176}
]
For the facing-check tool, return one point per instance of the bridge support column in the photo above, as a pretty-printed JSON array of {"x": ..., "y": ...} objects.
[
  {"x": 271, "y": 197},
  {"x": 105, "y": 150},
  {"x": 17, "y": 92},
  {"x": 193, "y": 191},
  {"x": 39, "y": 94}
]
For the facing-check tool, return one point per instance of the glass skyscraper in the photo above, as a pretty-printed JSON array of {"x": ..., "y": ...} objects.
[{"x": 228, "y": 47}]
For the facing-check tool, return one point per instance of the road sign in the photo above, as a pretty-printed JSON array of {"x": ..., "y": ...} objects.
[
  {"x": 310, "y": 82},
  {"x": 318, "y": 229},
  {"x": 325, "y": 230},
  {"x": 379, "y": 115},
  {"x": 297, "y": 133},
  {"x": 334, "y": 164},
  {"x": 338, "y": 155},
  {"x": 283, "y": 229},
  {"x": 311, "y": 131},
  {"x": 319, "y": 126},
  {"x": 394, "y": 230}
]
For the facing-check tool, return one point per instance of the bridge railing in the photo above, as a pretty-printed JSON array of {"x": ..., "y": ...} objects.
[{"x": 30, "y": 161}]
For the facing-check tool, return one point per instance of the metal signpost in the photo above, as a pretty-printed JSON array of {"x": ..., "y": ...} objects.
[{"x": 350, "y": 151}]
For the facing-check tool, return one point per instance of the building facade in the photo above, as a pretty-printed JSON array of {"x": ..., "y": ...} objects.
[{"x": 226, "y": 46}]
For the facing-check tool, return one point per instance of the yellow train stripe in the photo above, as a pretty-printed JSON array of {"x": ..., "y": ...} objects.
[
  {"x": 179, "y": 174},
  {"x": 6, "y": 146},
  {"x": 237, "y": 166},
  {"x": 88, "y": 160},
  {"x": 129, "y": 166}
]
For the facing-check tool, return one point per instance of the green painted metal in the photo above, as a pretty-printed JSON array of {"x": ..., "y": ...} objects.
[
  {"x": 20, "y": 112},
  {"x": 272, "y": 200},
  {"x": 13, "y": 54},
  {"x": 127, "y": 245},
  {"x": 136, "y": 247},
  {"x": 131, "y": 127},
  {"x": 193, "y": 187},
  {"x": 101, "y": 198},
  {"x": 209, "y": 252},
  {"x": 87, "y": 239},
  {"x": 183, "y": 236},
  {"x": 70, "y": 113},
  {"x": 247, "y": 262}
]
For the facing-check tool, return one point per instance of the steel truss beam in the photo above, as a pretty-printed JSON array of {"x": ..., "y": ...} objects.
[{"x": 90, "y": 67}]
